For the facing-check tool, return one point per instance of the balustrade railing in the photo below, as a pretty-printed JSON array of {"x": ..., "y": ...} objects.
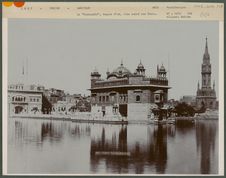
[{"x": 152, "y": 81}]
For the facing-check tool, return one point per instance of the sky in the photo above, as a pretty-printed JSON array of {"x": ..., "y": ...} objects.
[{"x": 62, "y": 53}]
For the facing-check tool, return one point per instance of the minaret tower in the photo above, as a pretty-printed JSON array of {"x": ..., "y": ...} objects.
[{"x": 206, "y": 69}]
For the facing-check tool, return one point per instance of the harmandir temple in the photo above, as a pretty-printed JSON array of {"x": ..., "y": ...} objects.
[{"x": 128, "y": 94}]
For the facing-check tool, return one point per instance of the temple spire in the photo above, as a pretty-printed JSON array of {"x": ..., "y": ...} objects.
[{"x": 206, "y": 48}]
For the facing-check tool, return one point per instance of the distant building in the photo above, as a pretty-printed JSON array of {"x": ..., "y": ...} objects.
[
  {"x": 130, "y": 94},
  {"x": 188, "y": 99},
  {"x": 25, "y": 98},
  {"x": 206, "y": 95},
  {"x": 71, "y": 104},
  {"x": 54, "y": 95}
]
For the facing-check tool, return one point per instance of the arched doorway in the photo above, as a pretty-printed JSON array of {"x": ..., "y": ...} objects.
[{"x": 18, "y": 109}]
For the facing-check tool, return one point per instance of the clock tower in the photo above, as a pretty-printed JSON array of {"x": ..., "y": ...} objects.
[{"x": 206, "y": 96}]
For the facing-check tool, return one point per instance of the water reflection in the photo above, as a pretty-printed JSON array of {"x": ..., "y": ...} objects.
[
  {"x": 51, "y": 132},
  {"x": 158, "y": 149},
  {"x": 66, "y": 147},
  {"x": 205, "y": 139},
  {"x": 105, "y": 142},
  {"x": 149, "y": 151}
]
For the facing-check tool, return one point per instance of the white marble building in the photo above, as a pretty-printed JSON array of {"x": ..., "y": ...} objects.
[{"x": 24, "y": 99}]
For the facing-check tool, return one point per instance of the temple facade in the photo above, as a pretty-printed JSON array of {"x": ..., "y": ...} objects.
[
  {"x": 129, "y": 94},
  {"x": 206, "y": 95}
]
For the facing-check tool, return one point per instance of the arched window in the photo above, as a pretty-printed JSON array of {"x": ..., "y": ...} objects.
[{"x": 138, "y": 98}]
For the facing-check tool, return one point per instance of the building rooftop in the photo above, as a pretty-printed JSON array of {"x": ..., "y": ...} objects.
[{"x": 122, "y": 77}]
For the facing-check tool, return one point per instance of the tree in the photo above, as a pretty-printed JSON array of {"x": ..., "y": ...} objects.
[
  {"x": 46, "y": 105},
  {"x": 183, "y": 109}
]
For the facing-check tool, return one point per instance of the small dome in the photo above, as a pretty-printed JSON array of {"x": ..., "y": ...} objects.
[
  {"x": 120, "y": 72},
  {"x": 162, "y": 68},
  {"x": 140, "y": 66},
  {"x": 95, "y": 72}
]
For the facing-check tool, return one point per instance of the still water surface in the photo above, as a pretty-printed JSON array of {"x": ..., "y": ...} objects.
[{"x": 53, "y": 147}]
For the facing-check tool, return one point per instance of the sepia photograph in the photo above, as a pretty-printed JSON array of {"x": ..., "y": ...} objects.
[{"x": 113, "y": 96}]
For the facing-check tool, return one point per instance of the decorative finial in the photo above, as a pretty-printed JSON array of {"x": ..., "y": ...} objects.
[
  {"x": 95, "y": 69},
  {"x": 107, "y": 72},
  {"x": 198, "y": 85},
  {"x": 214, "y": 85},
  {"x": 23, "y": 69},
  {"x": 121, "y": 62}
]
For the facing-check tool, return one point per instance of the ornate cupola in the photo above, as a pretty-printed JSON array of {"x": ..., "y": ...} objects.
[
  {"x": 140, "y": 69},
  {"x": 161, "y": 72},
  {"x": 94, "y": 76}
]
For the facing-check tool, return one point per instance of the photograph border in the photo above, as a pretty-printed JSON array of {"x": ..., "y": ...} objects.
[{"x": 4, "y": 71}]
